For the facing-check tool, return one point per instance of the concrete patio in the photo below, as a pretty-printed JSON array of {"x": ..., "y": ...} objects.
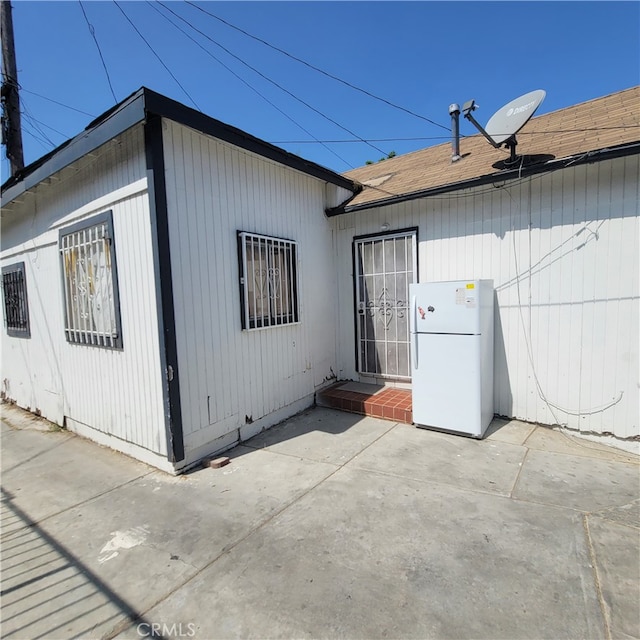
[{"x": 331, "y": 525}]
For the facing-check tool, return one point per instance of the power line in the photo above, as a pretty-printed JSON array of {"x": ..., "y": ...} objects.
[
  {"x": 273, "y": 82},
  {"x": 423, "y": 138},
  {"x": 322, "y": 71},
  {"x": 417, "y": 139},
  {"x": 157, "y": 56},
  {"x": 92, "y": 31},
  {"x": 44, "y": 124},
  {"x": 38, "y": 129},
  {"x": 66, "y": 106},
  {"x": 28, "y": 116},
  {"x": 47, "y": 146},
  {"x": 249, "y": 85}
]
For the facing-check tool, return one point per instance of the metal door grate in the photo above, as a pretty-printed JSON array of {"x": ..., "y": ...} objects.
[{"x": 385, "y": 267}]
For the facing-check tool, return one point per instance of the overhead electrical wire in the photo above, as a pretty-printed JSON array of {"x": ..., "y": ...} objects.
[
  {"x": 27, "y": 113},
  {"x": 28, "y": 117},
  {"x": 322, "y": 71},
  {"x": 315, "y": 140},
  {"x": 157, "y": 56},
  {"x": 66, "y": 106},
  {"x": 47, "y": 145},
  {"x": 34, "y": 123},
  {"x": 92, "y": 31},
  {"x": 273, "y": 82},
  {"x": 358, "y": 141}
]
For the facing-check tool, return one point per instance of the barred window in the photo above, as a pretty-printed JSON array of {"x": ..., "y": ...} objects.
[
  {"x": 16, "y": 308},
  {"x": 268, "y": 280},
  {"x": 92, "y": 307}
]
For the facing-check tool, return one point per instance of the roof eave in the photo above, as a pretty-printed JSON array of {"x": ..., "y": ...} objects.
[
  {"x": 607, "y": 153},
  {"x": 134, "y": 110},
  {"x": 108, "y": 126},
  {"x": 178, "y": 112}
]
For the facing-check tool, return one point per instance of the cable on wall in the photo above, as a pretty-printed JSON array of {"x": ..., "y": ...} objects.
[{"x": 527, "y": 335}]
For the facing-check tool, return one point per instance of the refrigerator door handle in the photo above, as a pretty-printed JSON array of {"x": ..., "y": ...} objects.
[{"x": 414, "y": 335}]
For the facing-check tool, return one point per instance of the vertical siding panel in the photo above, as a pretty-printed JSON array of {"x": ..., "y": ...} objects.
[
  {"x": 629, "y": 312},
  {"x": 615, "y": 292},
  {"x": 590, "y": 259},
  {"x": 201, "y": 278},
  {"x": 537, "y": 312},
  {"x": 502, "y": 393},
  {"x": 180, "y": 290},
  {"x": 225, "y": 229},
  {"x": 544, "y": 332},
  {"x": 209, "y": 292}
]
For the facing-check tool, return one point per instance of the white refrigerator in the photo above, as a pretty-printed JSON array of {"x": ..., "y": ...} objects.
[{"x": 451, "y": 326}]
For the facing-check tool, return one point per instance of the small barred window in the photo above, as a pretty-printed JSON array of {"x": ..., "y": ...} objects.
[
  {"x": 92, "y": 310},
  {"x": 16, "y": 308},
  {"x": 268, "y": 281}
]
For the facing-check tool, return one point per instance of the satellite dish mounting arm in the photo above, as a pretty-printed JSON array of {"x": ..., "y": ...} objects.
[
  {"x": 467, "y": 108},
  {"x": 506, "y": 122}
]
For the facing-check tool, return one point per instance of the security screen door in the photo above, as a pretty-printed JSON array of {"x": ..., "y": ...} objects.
[{"x": 385, "y": 267}]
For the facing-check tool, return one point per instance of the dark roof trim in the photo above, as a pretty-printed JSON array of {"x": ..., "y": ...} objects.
[
  {"x": 167, "y": 108},
  {"x": 133, "y": 110},
  {"x": 111, "y": 124},
  {"x": 589, "y": 157}
]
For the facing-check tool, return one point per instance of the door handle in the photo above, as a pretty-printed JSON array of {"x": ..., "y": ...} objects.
[{"x": 414, "y": 333}]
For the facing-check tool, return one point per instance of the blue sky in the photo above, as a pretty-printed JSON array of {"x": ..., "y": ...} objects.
[{"x": 422, "y": 56}]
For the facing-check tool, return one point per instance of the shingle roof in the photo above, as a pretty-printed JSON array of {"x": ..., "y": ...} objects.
[{"x": 604, "y": 123}]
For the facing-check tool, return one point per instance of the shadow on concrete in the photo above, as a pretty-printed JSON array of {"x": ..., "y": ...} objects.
[
  {"x": 47, "y": 592},
  {"x": 315, "y": 421}
]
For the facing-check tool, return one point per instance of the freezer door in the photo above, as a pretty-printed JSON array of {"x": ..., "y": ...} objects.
[
  {"x": 445, "y": 307},
  {"x": 447, "y": 383}
]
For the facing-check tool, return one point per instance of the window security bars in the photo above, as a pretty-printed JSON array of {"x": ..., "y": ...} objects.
[
  {"x": 92, "y": 314},
  {"x": 16, "y": 309},
  {"x": 268, "y": 281}
]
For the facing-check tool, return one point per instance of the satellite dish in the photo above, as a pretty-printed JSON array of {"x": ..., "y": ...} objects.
[{"x": 507, "y": 121}]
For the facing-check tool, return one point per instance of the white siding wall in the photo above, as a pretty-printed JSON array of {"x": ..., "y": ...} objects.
[
  {"x": 117, "y": 392},
  {"x": 562, "y": 250},
  {"x": 229, "y": 377}
]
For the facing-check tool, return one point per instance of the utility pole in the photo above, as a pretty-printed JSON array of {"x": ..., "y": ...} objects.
[{"x": 11, "y": 127}]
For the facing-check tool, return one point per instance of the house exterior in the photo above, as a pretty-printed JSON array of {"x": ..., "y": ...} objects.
[
  {"x": 558, "y": 233},
  {"x": 161, "y": 289},
  {"x": 173, "y": 285}
]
